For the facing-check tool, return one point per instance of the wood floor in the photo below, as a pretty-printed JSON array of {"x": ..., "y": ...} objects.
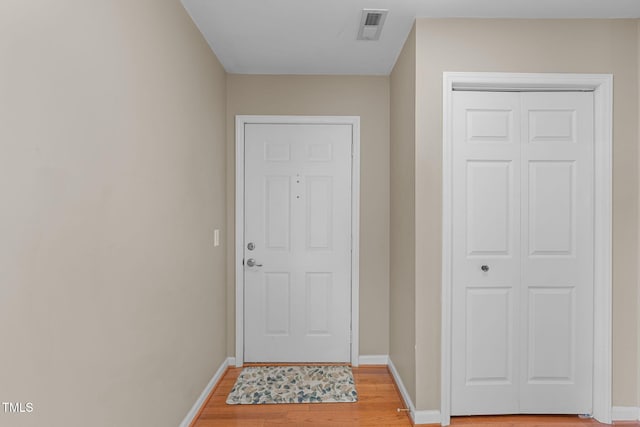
[
  {"x": 530, "y": 421},
  {"x": 378, "y": 401},
  {"x": 378, "y": 405}
]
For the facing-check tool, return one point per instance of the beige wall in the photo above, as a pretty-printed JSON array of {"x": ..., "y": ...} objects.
[
  {"x": 367, "y": 97},
  {"x": 402, "y": 302},
  {"x": 578, "y": 46},
  {"x": 112, "y": 152}
]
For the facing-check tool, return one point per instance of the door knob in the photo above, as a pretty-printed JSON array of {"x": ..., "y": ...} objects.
[
  {"x": 484, "y": 268},
  {"x": 252, "y": 263}
]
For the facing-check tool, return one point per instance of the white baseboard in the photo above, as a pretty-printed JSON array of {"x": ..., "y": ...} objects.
[
  {"x": 403, "y": 390},
  {"x": 229, "y": 361},
  {"x": 374, "y": 359},
  {"x": 418, "y": 417},
  {"x": 625, "y": 413},
  {"x": 427, "y": 417}
]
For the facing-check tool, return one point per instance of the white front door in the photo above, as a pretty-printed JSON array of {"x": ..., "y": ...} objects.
[
  {"x": 297, "y": 242},
  {"x": 522, "y": 313}
]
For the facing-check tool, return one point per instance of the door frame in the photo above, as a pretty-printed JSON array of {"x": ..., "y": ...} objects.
[
  {"x": 602, "y": 87},
  {"x": 354, "y": 121}
]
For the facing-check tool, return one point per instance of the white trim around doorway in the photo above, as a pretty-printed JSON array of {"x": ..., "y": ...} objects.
[
  {"x": 354, "y": 121},
  {"x": 602, "y": 87}
]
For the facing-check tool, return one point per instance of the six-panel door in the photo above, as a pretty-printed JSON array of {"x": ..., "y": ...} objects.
[
  {"x": 298, "y": 220},
  {"x": 522, "y": 322}
]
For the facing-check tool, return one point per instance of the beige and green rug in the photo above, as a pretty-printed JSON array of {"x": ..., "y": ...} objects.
[{"x": 293, "y": 384}]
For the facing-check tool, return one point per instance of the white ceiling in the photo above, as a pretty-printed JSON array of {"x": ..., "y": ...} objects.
[{"x": 319, "y": 36}]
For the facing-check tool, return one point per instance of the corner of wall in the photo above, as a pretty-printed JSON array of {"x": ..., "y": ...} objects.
[{"x": 402, "y": 330}]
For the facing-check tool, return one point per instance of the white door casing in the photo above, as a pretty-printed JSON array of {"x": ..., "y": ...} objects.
[
  {"x": 522, "y": 326},
  {"x": 601, "y": 87},
  {"x": 296, "y": 198}
]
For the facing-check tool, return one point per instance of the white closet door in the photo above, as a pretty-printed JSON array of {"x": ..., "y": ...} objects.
[
  {"x": 486, "y": 209},
  {"x": 557, "y": 253},
  {"x": 522, "y": 325}
]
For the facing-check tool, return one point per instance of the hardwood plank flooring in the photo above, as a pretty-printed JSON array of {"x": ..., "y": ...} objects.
[
  {"x": 530, "y": 421},
  {"x": 378, "y": 402}
]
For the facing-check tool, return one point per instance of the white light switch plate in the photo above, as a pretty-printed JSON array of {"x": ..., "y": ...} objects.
[{"x": 216, "y": 237}]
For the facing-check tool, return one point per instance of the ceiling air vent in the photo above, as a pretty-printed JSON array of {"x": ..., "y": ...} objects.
[{"x": 371, "y": 23}]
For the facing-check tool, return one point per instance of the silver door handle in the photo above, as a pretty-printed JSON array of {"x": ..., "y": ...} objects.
[{"x": 252, "y": 263}]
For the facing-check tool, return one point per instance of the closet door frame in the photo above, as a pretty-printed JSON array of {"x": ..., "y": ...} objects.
[{"x": 602, "y": 87}]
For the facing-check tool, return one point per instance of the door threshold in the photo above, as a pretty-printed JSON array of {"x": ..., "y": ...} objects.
[{"x": 297, "y": 364}]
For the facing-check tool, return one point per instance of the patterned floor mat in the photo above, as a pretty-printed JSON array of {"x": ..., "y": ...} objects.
[{"x": 293, "y": 384}]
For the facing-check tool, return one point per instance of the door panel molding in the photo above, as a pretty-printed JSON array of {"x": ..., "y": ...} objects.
[
  {"x": 602, "y": 87},
  {"x": 241, "y": 121}
]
